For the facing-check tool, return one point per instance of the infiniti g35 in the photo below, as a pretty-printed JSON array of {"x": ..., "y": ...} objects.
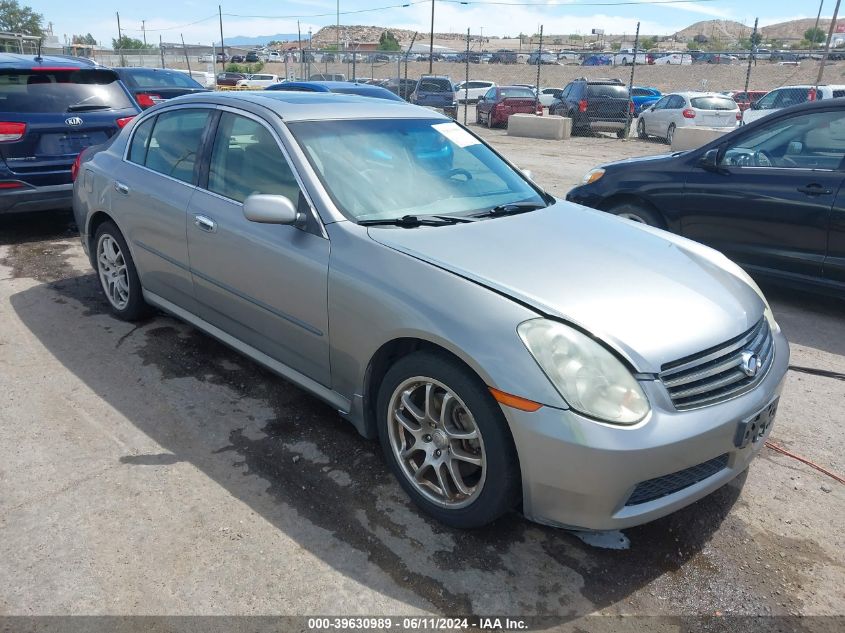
[{"x": 505, "y": 347}]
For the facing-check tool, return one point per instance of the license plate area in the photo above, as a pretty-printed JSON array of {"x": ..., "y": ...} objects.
[
  {"x": 753, "y": 428},
  {"x": 73, "y": 143}
]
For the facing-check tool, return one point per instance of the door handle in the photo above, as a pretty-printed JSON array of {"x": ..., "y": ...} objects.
[
  {"x": 120, "y": 187},
  {"x": 205, "y": 223},
  {"x": 815, "y": 190}
]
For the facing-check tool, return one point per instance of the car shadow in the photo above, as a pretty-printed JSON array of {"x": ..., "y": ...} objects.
[
  {"x": 808, "y": 319},
  {"x": 312, "y": 462}
]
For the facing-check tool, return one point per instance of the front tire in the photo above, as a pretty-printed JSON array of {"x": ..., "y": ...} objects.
[
  {"x": 490, "y": 120},
  {"x": 641, "y": 128},
  {"x": 118, "y": 275},
  {"x": 637, "y": 213},
  {"x": 447, "y": 441},
  {"x": 670, "y": 134}
]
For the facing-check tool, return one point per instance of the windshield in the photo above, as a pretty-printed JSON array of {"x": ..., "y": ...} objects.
[
  {"x": 42, "y": 91},
  {"x": 508, "y": 93},
  {"x": 389, "y": 168},
  {"x": 435, "y": 85}
]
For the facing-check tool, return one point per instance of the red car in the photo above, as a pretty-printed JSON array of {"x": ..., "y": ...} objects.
[
  {"x": 497, "y": 104},
  {"x": 745, "y": 99}
]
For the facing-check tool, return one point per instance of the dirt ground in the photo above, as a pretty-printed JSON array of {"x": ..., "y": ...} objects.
[{"x": 147, "y": 469}]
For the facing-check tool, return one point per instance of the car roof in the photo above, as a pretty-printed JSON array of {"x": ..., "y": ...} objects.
[
  {"x": 307, "y": 106},
  {"x": 15, "y": 60}
]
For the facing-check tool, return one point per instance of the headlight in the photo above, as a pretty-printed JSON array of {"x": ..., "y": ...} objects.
[
  {"x": 593, "y": 175},
  {"x": 590, "y": 378}
]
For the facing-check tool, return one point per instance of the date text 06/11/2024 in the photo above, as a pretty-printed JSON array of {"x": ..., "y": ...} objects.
[{"x": 420, "y": 623}]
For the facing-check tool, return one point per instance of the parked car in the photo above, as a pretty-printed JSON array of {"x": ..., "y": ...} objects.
[
  {"x": 787, "y": 96},
  {"x": 745, "y": 99},
  {"x": 328, "y": 77},
  {"x": 229, "y": 79},
  {"x": 686, "y": 109},
  {"x": 498, "y": 103},
  {"x": 715, "y": 58},
  {"x": 52, "y": 108},
  {"x": 598, "y": 60},
  {"x": 504, "y": 57},
  {"x": 643, "y": 97},
  {"x": 546, "y": 57},
  {"x": 222, "y": 58},
  {"x": 451, "y": 283},
  {"x": 594, "y": 105},
  {"x": 626, "y": 57},
  {"x": 401, "y": 86},
  {"x": 767, "y": 195},
  {"x": 548, "y": 96},
  {"x": 342, "y": 87},
  {"x": 674, "y": 59},
  {"x": 436, "y": 91},
  {"x": 470, "y": 91},
  {"x": 252, "y": 57},
  {"x": 204, "y": 78},
  {"x": 238, "y": 59},
  {"x": 150, "y": 86},
  {"x": 380, "y": 58},
  {"x": 275, "y": 56},
  {"x": 258, "y": 81},
  {"x": 568, "y": 57}
]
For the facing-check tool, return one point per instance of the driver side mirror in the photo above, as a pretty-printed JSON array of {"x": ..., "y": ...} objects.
[
  {"x": 709, "y": 160},
  {"x": 272, "y": 209}
]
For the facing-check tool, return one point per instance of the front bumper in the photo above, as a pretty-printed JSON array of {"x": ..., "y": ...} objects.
[
  {"x": 36, "y": 199},
  {"x": 578, "y": 473}
]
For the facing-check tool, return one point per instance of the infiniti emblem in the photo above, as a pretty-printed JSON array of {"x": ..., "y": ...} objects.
[
  {"x": 750, "y": 363},
  {"x": 73, "y": 121}
]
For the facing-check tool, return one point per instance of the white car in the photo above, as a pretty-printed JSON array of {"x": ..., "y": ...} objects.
[
  {"x": 786, "y": 96},
  {"x": 469, "y": 91},
  {"x": 275, "y": 56},
  {"x": 685, "y": 109},
  {"x": 674, "y": 59},
  {"x": 258, "y": 81},
  {"x": 625, "y": 57},
  {"x": 548, "y": 95}
]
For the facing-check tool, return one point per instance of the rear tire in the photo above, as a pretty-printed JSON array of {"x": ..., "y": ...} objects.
[
  {"x": 637, "y": 213},
  {"x": 117, "y": 274},
  {"x": 641, "y": 129},
  {"x": 670, "y": 134},
  {"x": 490, "y": 120},
  {"x": 420, "y": 444}
]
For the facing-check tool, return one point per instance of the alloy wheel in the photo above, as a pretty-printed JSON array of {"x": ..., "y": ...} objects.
[
  {"x": 436, "y": 442},
  {"x": 114, "y": 275}
]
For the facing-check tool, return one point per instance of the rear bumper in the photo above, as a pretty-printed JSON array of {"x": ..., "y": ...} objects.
[{"x": 48, "y": 198}]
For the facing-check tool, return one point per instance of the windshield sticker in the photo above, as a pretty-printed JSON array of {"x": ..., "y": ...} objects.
[{"x": 456, "y": 134}]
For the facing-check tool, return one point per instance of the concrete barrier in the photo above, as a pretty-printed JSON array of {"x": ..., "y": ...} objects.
[
  {"x": 556, "y": 128},
  {"x": 692, "y": 137}
]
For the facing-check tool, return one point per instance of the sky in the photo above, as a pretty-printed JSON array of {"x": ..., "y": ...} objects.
[{"x": 197, "y": 20}]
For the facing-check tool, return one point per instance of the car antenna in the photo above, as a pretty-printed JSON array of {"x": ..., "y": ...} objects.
[{"x": 38, "y": 52}]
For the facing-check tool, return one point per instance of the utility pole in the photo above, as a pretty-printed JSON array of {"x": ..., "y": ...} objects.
[
  {"x": 119, "y": 39},
  {"x": 337, "y": 30},
  {"x": 818, "y": 17},
  {"x": 185, "y": 50},
  {"x": 161, "y": 49},
  {"x": 222, "y": 46},
  {"x": 627, "y": 131},
  {"x": 144, "y": 31},
  {"x": 431, "y": 43},
  {"x": 752, "y": 54},
  {"x": 827, "y": 48}
]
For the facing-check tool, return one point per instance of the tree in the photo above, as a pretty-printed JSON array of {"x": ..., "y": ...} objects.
[
  {"x": 127, "y": 43},
  {"x": 615, "y": 46},
  {"x": 17, "y": 19},
  {"x": 815, "y": 35},
  {"x": 84, "y": 40},
  {"x": 648, "y": 42},
  {"x": 388, "y": 42}
]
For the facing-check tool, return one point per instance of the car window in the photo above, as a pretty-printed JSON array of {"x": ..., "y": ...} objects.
[
  {"x": 150, "y": 78},
  {"x": 175, "y": 142},
  {"x": 490, "y": 94},
  {"x": 676, "y": 102},
  {"x": 435, "y": 85},
  {"x": 246, "y": 159},
  {"x": 140, "y": 141},
  {"x": 661, "y": 105},
  {"x": 641, "y": 92},
  {"x": 713, "y": 103},
  {"x": 803, "y": 141},
  {"x": 791, "y": 96},
  {"x": 507, "y": 93},
  {"x": 767, "y": 102},
  {"x": 59, "y": 90},
  {"x": 607, "y": 90},
  {"x": 838, "y": 93}
]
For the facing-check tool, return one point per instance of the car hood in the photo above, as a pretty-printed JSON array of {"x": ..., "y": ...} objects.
[
  {"x": 653, "y": 296},
  {"x": 642, "y": 159}
]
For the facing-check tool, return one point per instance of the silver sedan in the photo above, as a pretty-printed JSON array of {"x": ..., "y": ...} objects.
[{"x": 504, "y": 347}]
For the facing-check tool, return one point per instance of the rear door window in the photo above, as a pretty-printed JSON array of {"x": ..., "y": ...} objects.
[
  {"x": 140, "y": 141},
  {"x": 62, "y": 91},
  {"x": 175, "y": 142}
]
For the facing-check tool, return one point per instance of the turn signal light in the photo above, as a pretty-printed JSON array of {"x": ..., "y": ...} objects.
[
  {"x": 514, "y": 402},
  {"x": 10, "y": 132}
]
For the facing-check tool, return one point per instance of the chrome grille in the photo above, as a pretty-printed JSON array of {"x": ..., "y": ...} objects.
[{"x": 716, "y": 374}]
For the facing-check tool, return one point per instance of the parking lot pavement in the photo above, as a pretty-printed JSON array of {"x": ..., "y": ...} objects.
[{"x": 147, "y": 469}]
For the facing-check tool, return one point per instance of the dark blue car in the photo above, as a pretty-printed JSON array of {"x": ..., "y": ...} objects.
[
  {"x": 343, "y": 87},
  {"x": 51, "y": 109}
]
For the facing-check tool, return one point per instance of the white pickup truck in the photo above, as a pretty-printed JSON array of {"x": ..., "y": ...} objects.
[{"x": 625, "y": 57}]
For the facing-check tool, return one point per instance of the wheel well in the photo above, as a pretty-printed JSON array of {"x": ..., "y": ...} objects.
[
  {"x": 617, "y": 200},
  {"x": 383, "y": 360},
  {"x": 93, "y": 224}
]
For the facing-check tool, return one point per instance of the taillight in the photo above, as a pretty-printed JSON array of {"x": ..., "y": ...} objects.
[
  {"x": 74, "y": 169},
  {"x": 539, "y": 109},
  {"x": 582, "y": 105},
  {"x": 739, "y": 115},
  {"x": 631, "y": 107},
  {"x": 122, "y": 122},
  {"x": 811, "y": 94},
  {"x": 11, "y": 131},
  {"x": 11, "y": 185},
  {"x": 146, "y": 100},
  {"x": 688, "y": 113}
]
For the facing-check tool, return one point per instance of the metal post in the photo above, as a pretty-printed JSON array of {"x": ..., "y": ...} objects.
[
  {"x": 431, "y": 43},
  {"x": 402, "y": 92},
  {"x": 299, "y": 40},
  {"x": 161, "y": 50},
  {"x": 539, "y": 62},
  {"x": 751, "y": 55},
  {"x": 144, "y": 31},
  {"x": 827, "y": 48},
  {"x": 119, "y": 40},
  {"x": 818, "y": 17},
  {"x": 185, "y": 50},
  {"x": 631, "y": 82},
  {"x": 466, "y": 83},
  {"x": 337, "y": 30},
  {"x": 354, "y": 64},
  {"x": 222, "y": 44}
]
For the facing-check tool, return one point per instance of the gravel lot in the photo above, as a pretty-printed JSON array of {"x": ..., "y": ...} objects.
[{"x": 147, "y": 469}]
